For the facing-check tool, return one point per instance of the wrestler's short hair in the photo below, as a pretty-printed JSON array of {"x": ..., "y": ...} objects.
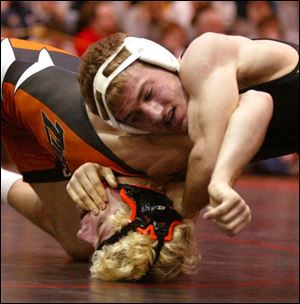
[
  {"x": 92, "y": 59},
  {"x": 129, "y": 259}
]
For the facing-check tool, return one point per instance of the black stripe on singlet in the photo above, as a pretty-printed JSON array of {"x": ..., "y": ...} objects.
[
  {"x": 61, "y": 60},
  {"x": 15, "y": 71},
  {"x": 59, "y": 91}
]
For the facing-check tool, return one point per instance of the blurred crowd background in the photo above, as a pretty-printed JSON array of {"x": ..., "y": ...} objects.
[{"x": 74, "y": 25}]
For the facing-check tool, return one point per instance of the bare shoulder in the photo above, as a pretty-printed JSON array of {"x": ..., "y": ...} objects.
[
  {"x": 210, "y": 47},
  {"x": 207, "y": 53},
  {"x": 199, "y": 49}
]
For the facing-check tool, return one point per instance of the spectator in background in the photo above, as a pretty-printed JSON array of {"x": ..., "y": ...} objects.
[
  {"x": 227, "y": 11},
  {"x": 182, "y": 13},
  {"x": 249, "y": 14},
  {"x": 16, "y": 19},
  {"x": 288, "y": 13},
  {"x": 208, "y": 19},
  {"x": 55, "y": 24},
  {"x": 270, "y": 27},
  {"x": 258, "y": 10},
  {"x": 174, "y": 38},
  {"x": 147, "y": 18},
  {"x": 53, "y": 15},
  {"x": 96, "y": 21}
]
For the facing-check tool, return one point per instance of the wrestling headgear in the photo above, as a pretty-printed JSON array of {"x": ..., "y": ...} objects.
[
  {"x": 140, "y": 49},
  {"x": 152, "y": 214}
]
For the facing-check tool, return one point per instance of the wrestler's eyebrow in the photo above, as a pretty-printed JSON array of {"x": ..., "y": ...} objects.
[
  {"x": 140, "y": 94},
  {"x": 141, "y": 90}
]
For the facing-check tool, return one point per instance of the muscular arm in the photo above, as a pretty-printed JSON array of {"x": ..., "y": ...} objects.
[
  {"x": 244, "y": 135},
  {"x": 48, "y": 206},
  {"x": 212, "y": 87},
  {"x": 25, "y": 200},
  {"x": 216, "y": 112}
]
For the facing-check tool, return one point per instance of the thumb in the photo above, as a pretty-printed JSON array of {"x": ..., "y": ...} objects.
[
  {"x": 207, "y": 213},
  {"x": 111, "y": 181},
  {"x": 109, "y": 177}
]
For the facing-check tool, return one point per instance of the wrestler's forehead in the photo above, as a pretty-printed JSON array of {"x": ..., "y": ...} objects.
[{"x": 135, "y": 80}]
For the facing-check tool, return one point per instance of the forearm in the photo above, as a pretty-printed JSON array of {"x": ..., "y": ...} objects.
[
  {"x": 208, "y": 113},
  {"x": 25, "y": 200},
  {"x": 244, "y": 135},
  {"x": 197, "y": 179}
]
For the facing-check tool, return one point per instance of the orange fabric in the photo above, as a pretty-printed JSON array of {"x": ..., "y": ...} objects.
[
  {"x": 39, "y": 153},
  {"x": 36, "y": 138},
  {"x": 30, "y": 45}
]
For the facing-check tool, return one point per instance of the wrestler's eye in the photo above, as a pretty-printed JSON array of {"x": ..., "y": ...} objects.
[
  {"x": 148, "y": 94},
  {"x": 134, "y": 118}
]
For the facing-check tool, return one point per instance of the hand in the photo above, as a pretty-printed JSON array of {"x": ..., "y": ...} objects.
[
  {"x": 86, "y": 189},
  {"x": 227, "y": 209}
]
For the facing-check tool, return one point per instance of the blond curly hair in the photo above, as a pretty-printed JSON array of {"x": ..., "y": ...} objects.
[{"x": 129, "y": 259}]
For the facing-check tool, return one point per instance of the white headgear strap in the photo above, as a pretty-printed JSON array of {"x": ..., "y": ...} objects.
[{"x": 142, "y": 49}]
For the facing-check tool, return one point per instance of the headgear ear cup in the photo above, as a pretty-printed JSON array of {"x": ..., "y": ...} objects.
[
  {"x": 152, "y": 213},
  {"x": 140, "y": 49}
]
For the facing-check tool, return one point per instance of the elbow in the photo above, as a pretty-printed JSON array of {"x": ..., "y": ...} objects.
[
  {"x": 263, "y": 102},
  {"x": 201, "y": 159},
  {"x": 267, "y": 104},
  {"x": 264, "y": 98},
  {"x": 267, "y": 101}
]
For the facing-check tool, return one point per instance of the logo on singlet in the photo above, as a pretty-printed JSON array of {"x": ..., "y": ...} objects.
[{"x": 55, "y": 135}]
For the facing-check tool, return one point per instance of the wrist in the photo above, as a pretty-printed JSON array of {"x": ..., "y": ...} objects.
[
  {"x": 221, "y": 178},
  {"x": 218, "y": 183},
  {"x": 8, "y": 179}
]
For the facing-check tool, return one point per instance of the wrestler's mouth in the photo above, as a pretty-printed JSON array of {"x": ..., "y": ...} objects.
[{"x": 170, "y": 119}]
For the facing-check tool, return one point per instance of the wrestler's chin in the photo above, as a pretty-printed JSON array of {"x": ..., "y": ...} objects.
[
  {"x": 180, "y": 126},
  {"x": 184, "y": 126}
]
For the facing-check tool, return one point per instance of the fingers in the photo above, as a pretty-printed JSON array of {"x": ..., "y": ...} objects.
[
  {"x": 108, "y": 175},
  {"x": 233, "y": 213},
  {"x": 231, "y": 216},
  {"x": 227, "y": 209},
  {"x": 75, "y": 198},
  {"x": 93, "y": 185},
  {"x": 93, "y": 189},
  {"x": 235, "y": 226},
  {"x": 79, "y": 196},
  {"x": 86, "y": 189},
  {"x": 222, "y": 209},
  {"x": 241, "y": 226}
]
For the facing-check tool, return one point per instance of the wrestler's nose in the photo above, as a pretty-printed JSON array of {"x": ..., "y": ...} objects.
[{"x": 153, "y": 110}]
